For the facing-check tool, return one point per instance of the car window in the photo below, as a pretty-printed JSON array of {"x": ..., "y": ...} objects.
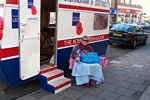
[{"x": 133, "y": 29}]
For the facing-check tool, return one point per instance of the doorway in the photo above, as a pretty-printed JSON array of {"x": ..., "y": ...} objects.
[{"x": 48, "y": 32}]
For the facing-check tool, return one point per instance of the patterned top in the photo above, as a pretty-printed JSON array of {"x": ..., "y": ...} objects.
[{"x": 78, "y": 49}]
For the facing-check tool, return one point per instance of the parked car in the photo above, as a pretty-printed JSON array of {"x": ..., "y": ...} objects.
[
  {"x": 110, "y": 26},
  {"x": 127, "y": 34},
  {"x": 139, "y": 27},
  {"x": 145, "y": 25}
]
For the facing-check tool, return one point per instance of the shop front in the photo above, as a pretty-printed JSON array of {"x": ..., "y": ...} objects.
[{"x": 129, "y": 15}]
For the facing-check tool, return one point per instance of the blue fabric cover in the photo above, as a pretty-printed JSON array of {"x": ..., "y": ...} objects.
[
  {"x": 83, "y": 72},
  {"x": 90, "y": 57}
]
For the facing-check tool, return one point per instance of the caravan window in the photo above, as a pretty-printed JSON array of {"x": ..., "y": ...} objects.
[
  {"x": 100, "y": 21},
  {"x": 1, "y": 10},
  {"x": 1, "y": 20},
  {"x": 52, "y": 18}
]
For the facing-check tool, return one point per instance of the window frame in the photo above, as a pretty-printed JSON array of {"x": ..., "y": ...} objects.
[{"x": 94, "y": 25}]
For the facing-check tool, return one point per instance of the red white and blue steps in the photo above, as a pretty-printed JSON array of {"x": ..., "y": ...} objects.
[{"x": 52, "y": 79}]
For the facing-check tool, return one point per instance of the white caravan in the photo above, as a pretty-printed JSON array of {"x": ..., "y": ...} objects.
[{"x": 37, "y": 36}]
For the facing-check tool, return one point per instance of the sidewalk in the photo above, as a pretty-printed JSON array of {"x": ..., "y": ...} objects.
[
  {"x": 146, "y": 94},
  {"x": 126, "y": 78}
]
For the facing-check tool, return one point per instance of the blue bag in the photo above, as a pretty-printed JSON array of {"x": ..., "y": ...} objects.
[{"x": 90, "y": 57}]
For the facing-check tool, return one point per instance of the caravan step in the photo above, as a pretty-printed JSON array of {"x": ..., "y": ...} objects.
[
  {"x": 53, "y": 74},
  {"x": 60, "y": 85},
  {"x": 48, "y": 68},
  {"x": 52, "y": 79}
]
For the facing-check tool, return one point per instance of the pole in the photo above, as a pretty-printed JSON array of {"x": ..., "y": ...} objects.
[{"x": 114, "y": 5}]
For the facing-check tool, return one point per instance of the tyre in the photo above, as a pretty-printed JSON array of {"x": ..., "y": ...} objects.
[
  {"x": 144, "y": 42},
  {"x": 110, "y": 43},
  {"x": 134, "y": 44}
]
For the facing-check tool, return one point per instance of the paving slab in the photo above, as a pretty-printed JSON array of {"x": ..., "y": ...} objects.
[
  {"x": 126, "y": 78},
  {"x": 146, "y": 94}
]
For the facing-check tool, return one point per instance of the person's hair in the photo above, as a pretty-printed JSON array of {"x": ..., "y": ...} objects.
[{"x": 85, "y": 38}]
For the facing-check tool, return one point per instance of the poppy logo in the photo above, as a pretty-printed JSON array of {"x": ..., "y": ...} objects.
[
  {"x": 1, "y": 35},
  {"x": 79, "y": 28},
  {"x": 34, "y": 11},
  {"x": 1, "y": 27}
]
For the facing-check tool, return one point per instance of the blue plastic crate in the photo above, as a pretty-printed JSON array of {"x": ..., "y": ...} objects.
[{"x": 90, "y": 57}]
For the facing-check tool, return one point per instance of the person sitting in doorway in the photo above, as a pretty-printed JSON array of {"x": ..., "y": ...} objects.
[{"x": 85, "y": 73}]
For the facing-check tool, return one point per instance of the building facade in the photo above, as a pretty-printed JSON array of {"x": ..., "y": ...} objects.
[{"x": 128, "y": 11}]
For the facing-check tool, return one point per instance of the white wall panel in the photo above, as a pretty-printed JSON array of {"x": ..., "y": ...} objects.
[{"x": 10, "y": 36}]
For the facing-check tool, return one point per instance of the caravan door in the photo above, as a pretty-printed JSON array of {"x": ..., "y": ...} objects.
[{"x": 29, "y": 11}]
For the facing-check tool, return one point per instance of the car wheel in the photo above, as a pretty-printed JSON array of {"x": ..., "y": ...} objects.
[
  {"x": 134, "y": 44},
  {"x": 110, "y": 43},
  {"x": 144, "y": 42}
]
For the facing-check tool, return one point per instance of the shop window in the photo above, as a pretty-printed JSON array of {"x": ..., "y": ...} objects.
[
  {"x": 100, "y": 21},
  {"x": 127, "y": 2},
  {"x": 134, "y": 2},
  {"x": 122, "y": 1},
  {"x": 104, "y": 0},
  {"x": 119, "y": 15}
]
